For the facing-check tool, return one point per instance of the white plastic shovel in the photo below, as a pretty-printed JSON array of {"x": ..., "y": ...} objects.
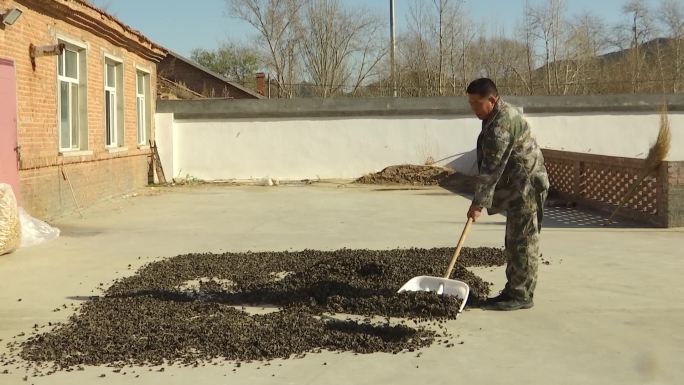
[{"x": 444, "y": 285}]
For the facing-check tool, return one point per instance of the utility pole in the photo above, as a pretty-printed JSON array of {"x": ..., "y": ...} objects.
[{"x": 393, "y": 64}]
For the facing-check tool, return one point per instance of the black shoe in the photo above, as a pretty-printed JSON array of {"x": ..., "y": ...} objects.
[
  {"x": 503, "y": 296},
  {"x": 507, "y": 304}
]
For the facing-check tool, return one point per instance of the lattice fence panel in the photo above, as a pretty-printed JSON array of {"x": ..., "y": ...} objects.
[
  {"x": 608, "y": 184},
  {"x": 561, "y": 175}
]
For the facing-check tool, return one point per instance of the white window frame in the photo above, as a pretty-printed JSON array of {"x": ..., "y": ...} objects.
[
  {"x": 112, "y": 137},
  {"x": 63, "y": 78},
  {"x": 141, "y": 105}
]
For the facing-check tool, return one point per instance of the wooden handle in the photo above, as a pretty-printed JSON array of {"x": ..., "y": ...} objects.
[{"x": 461, "y": 241}]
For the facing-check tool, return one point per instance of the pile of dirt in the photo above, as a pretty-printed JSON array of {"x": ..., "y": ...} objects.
[
  {"x": 407, "y": 174},
  {"x": 421, "y": 176},
  {"x": 190, "y": 309}
]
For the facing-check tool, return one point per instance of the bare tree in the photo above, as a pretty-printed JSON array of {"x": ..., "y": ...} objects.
[
  {"x": 279, "y": 26},
  {"x": 641, "y": 26},
  {"x": 337, "y": 49},
  {"x": 527, "y": 30},
  {"x": 434, "y": 46},
  {"x": 587, "y": 40},
  {"x": 462, "y": 39},
  {"x": 546, "y": 20},
  {"x": 672, "y": 17},
  {"x": 456, "y": 35},
  {"x": 370, "y": 52},
  {"x": 445, "y": 30},
  {"x": 502, "y": 59},
  {"x": 416, "y": 52},
  {"x": 340, "y": 46}
]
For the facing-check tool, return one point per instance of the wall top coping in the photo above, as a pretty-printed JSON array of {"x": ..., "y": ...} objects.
[{"x": 433, "y": 106}]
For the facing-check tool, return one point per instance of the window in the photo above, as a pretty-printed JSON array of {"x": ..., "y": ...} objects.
[
  {"x": 143, "y": 108},
  {"x": 70, "y": 79},
  {"x": 113, "y": 102}
]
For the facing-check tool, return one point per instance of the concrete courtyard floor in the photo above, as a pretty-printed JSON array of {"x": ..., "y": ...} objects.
[{"x": 609, "y": 306}]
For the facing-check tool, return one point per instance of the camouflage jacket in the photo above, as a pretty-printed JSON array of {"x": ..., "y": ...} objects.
[{"x": 510, "y": 163}]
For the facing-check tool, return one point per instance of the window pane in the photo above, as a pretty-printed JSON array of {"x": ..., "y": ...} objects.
[
  {"x": 64, "y": 129},
  {"x": 111, "y": 75},
  {"x": 142, "y": 132},
  {"x": 141, "y": 84},
  {"x": 112, "y": 123},
  {"x": 74, "y": 116},
  {"x": 60, "y": 64},
  {"x": 108, "y": 118},
  {"x": 139, "y": 121},
  {"x": 71, "y": 64}
]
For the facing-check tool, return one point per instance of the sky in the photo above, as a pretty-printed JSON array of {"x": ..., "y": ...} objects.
[{"x": 182, "y": 25}]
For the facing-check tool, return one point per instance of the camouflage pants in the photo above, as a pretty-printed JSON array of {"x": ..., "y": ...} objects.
[{"x": 522, "y": 250}]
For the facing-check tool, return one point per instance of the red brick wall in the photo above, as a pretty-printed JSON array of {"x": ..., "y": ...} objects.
[
  {"x": 50, "y": 195},
  {"x": 675, "y": 193},
  {"x": 94, "y": 177}
]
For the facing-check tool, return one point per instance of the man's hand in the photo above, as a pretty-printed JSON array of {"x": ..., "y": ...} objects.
[{"x": 474, "y": 212}]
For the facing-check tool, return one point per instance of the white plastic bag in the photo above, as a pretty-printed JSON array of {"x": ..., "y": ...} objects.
[
  {"x": 34, "y": 231},
  {"x": 10, "y": 227}
]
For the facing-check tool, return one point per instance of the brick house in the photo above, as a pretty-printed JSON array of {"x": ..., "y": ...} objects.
[
  {"x": 182, "y": 72},
  {"x": 78, "y": 89}
]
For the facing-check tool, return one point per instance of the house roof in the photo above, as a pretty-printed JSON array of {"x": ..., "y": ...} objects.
[
  {"x": 86, "y": 16},
  {"x": 214, "y": 74}
]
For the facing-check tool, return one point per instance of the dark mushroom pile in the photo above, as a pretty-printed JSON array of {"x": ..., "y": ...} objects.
[{"x": 194, "y": 308}]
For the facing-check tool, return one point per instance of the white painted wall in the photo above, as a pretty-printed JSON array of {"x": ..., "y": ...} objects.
[
  {"x": 163, "y": 136},
  {"x": 314, "y": 148},
  {"x": 625, "y": 135},
  {"x": 327, "y": 148}
]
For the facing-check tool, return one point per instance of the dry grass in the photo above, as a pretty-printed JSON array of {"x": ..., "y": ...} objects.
[{"x": 660, "y": 149}]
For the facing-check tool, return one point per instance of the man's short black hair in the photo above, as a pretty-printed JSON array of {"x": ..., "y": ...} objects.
[{"x": 484, "y": 87}]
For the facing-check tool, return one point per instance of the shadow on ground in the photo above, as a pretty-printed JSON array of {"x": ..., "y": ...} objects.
[
  {"x": 562, "y": 217},
  {"x": 573, "y": 218}
]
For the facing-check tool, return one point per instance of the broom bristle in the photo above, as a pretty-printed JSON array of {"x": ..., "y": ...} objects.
[
  {"x": 656, "y": 155},
  {"x": 660, "y": 149}
]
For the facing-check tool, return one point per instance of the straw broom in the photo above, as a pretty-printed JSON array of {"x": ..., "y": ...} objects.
[{"x": 656, "y": 156}]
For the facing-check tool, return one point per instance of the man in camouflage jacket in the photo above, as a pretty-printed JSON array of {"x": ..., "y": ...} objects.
[{"x": 512, "y": 178}]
